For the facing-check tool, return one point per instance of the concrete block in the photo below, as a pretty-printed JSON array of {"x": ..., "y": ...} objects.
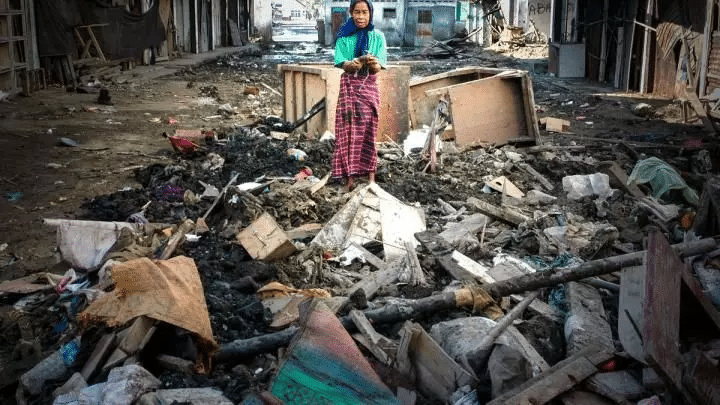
[{"x": 586, "y": 324}]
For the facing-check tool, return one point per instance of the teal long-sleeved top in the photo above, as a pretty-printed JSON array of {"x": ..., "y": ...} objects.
[{"x": 345, "y": 48}]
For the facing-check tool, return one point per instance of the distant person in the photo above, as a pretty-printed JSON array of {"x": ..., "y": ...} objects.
[{"x": 361, "y": 51}]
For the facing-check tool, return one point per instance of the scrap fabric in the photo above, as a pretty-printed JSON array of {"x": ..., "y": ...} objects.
[
  {"x": 356, "y": 123},
  {"x": 324, "y": 366}
]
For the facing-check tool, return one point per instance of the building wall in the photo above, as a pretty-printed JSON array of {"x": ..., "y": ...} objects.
[
  {"x": 520, "y": 12},
  {"x": 261, "y": 19},
  {"x": 441, "y": 28},
  {"x": 392, "y": 27},
  {"x": 538, "y": 11},
  {"x": 291, "y": 9}
]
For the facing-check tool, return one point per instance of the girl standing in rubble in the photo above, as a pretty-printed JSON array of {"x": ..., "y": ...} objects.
[{"x": 361, "y": 51}]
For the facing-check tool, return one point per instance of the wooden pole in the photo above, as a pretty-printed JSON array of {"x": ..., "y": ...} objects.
[
  {"x": 222, "y": 193},
  {"x": 534, "y": 281},
  {"x": 604, "y": 43},
  {"x": 483, "y": 347},
  {"x": 645, "y": 67},
  {"x": 707, "y": 43}
]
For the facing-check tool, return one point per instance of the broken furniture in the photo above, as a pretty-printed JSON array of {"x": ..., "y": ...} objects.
[
  {"x": 487, "y": 106},
  {"x": 87, "y": 41},
  {"x": 422, "y": 105},
  {"x": 306, "y": 85},
  {"x": 15, "y": 47}
]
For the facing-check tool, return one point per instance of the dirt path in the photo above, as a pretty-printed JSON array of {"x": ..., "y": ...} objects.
[{"x": 39, "y": 178}]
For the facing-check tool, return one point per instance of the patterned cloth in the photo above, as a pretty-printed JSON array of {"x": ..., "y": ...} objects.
[{"x": 356, "y": 124}]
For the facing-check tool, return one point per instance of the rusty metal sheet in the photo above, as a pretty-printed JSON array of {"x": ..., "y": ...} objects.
[{"x": 662, "y": 307}]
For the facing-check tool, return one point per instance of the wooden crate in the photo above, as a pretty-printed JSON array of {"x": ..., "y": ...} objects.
[
  {"x": 265, "y": 240},
  {"x": 495, "y": 110},
  {"x": 305, "y": 85},
  {"x": 422, "y": 105}
]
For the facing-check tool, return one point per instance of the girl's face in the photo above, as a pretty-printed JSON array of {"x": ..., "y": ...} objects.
[{"x": 361, "y": 14}]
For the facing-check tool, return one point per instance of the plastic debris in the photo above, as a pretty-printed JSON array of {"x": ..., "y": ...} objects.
[
  {"x": 662, "y": 178},
  {"x": 297, "y": 154},
  {"x": 580, "y": 186}
]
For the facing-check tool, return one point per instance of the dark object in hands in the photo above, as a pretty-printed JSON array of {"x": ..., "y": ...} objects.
[{"x": 352, "y": 66}]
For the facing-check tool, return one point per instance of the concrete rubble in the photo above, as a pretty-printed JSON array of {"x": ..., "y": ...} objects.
[{"x": 537, "y": 264}]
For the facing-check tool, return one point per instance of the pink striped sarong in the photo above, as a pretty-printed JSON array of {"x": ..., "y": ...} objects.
[{"x": 356, "y": 124}]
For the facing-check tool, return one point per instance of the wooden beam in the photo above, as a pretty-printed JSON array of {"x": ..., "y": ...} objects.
[
  {"x": 619, "y": 56},
  {"x": 645, "y": 69},
  {"x": 707, "y": 43},
  {"x": 604, "y": 43},
  {"x": 558, "y": 379}
]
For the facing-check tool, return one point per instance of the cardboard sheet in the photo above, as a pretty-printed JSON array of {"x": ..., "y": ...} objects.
[{"x": 166, "y": 290}]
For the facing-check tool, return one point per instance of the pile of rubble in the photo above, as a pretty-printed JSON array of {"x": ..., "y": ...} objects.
[{"x": 554, "y": 272}]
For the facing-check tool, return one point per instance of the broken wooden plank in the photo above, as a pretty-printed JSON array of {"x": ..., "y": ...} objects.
[
  {"x": 505, "y": 186},
  {"x": 504, "y": 213},
  {"x": 219, "y": 197},
  {"x": 457, "y": 264},
  {"x": 417, "y": 277},
  {"x": 377, "y": 344},
  {"x": 179, "y": 235},
  {"x": 371, "y": 283},
  {"x": 370, "y": 257},
  {"x": 618, "y": 174},
  {"x": 436, "y": 373},
  {"x": 537, "y": 362},
  {"x": 304, "y": 231},
  {"x": 542, "y": 309},
  {"x": 101, "y": 350},
  {"x": 661, "y": 329},
  {"x": 447, "y": 208},
  {"x": 483, "y": 346},
  {"x": 319, "y": 185},
  {"x": 399, "y": 223},
  {"x": 555, "y": 124},
  {"x": 135, "y": 338},
  {"x": 455, "y": 232},
  {"x": 539, "y": 177},
  {"x": 699, "y": 109},
  {"x": 464, "y": 268},
  {"x": 558, "y": 379}
]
